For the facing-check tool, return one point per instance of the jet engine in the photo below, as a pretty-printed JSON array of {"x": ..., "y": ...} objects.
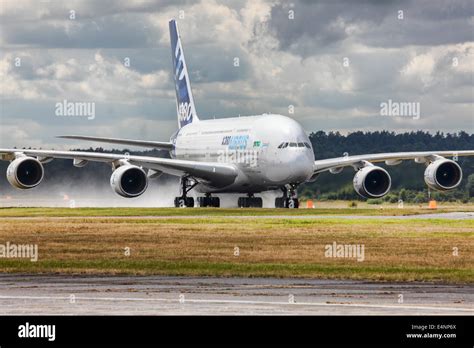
[
  {"x": 372, "y": 182},
  {"x": 443, "y": 174},
  {"x": 25, "y": 172},
  {"x": 129, "y": 181}
]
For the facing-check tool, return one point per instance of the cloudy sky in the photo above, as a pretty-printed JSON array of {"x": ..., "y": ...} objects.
[{"x": 335, "y": 62}]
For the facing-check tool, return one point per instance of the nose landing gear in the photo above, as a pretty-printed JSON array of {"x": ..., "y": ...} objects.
[{"x": 289, "y": 198}]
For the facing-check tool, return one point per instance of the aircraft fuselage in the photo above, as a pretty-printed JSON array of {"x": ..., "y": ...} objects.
[{"x": 269, "y": 151}]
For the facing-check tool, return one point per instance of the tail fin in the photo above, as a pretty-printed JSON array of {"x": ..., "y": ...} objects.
[{"x": 184, "y": 96}]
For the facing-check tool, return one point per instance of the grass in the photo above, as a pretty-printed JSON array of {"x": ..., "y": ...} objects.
[
  {"x": 334, "y": 208},
  {"x": 395, "y": 249},
  {"x": 222, "y": 269}
]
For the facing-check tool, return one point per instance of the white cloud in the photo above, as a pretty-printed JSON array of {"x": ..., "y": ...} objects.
[
  {"x": 85, "y": 78},
  {"x": 420, "y": 67}
]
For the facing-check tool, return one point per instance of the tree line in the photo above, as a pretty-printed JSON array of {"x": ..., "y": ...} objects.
[{"x": 407, "y": 177}]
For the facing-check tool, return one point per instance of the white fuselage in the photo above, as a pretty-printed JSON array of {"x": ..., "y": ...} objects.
[{"x": 269, "y": 151}]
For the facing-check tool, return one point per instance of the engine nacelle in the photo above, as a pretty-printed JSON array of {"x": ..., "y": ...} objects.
[
  {"x": 372, "y": 182},
  {"x": 25, "y": 172},
  {"x": 443, "y": 174},
  {"x": 129, "y": 181}
]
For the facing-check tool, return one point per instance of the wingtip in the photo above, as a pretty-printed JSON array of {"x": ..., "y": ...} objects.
[{"x": 67, "y": 136}]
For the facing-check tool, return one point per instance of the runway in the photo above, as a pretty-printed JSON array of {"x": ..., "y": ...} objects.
[{"x": 157, "y": 295}]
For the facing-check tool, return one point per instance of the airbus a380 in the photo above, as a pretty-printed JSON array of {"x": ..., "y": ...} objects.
[{"x": 245, "y": 155}]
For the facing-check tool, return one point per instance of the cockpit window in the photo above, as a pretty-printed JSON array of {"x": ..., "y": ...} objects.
[{"x": 287, "y": 144}]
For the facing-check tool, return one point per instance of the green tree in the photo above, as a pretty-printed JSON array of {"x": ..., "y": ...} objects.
[
  {"x": 403, "y": 194},
  {"x": 470, "y": 185}
]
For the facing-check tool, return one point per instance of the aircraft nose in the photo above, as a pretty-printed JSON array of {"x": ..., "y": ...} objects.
[{"x": 302, "y": 166}]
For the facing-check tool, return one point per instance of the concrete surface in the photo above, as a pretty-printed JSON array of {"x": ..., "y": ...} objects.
[{"x": 158, "y": 295}]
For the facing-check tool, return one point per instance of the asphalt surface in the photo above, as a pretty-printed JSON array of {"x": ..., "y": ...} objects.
[{"x": 157, "y": 295}]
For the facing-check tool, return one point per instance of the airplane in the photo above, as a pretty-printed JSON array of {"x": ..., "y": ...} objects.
[{"x": 246, "y": 155}]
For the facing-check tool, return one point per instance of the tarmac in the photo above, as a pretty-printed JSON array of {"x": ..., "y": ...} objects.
[{"x": 22, "y": 294}]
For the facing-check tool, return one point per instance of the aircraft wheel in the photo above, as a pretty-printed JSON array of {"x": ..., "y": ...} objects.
[
  {"x": 250, "y": 202},
  {"x": 293, "y": 203},
  {"x": 256, "y": 202},
  {"x": 209, "y": 202},
  {"x": 215, "y": 202},
  {"x": 184, "y": 202},
  {"x": 203, "y": 201},
  {"x": 280, "y": 202}
]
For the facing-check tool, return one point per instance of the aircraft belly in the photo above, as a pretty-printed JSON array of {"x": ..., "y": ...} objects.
[{"x": 249, "y": 180}]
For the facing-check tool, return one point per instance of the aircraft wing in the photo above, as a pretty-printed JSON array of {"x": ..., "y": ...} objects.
[
  {"x": 143, "y": 143},
  {"x": 393, "y": 158},
  {"x": 213, "y": 173}
]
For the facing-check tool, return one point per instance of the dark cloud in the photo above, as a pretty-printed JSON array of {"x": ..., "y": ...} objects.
[
  {"x": 321, "y": 24},
  {"x": 319, "y": 27},
  {"x": 57, "y": 10}
]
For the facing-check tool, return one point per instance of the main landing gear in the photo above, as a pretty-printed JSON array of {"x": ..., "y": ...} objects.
[
  {"x": 289, "y": 198},
  {"x": 250, "y": 201},
  {"x": 209, "y": 201},
  {"x": 184, "y": 201}
]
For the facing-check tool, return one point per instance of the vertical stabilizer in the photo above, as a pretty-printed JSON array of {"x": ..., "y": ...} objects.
[{"x": 184, "y": 96}]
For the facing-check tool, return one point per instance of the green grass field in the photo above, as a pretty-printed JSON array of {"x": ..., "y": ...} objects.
[
  {"x": 333, "y": 208},
  {"x": 207, "y": 245}
]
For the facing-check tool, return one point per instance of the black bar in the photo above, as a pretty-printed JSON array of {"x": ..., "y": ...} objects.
[{"x": 261, "y": 330}]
